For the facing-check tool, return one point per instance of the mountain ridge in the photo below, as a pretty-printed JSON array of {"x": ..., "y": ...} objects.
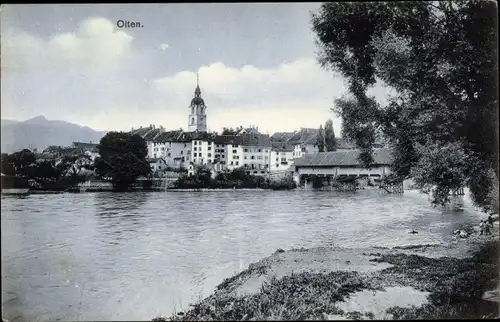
[{"x": 39, "y": 133}]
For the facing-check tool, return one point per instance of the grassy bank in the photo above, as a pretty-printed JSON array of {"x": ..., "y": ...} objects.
[{"x": 317, "y": 284}]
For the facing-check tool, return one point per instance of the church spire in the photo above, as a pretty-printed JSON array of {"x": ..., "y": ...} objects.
[{"x": 197, "y": 91}]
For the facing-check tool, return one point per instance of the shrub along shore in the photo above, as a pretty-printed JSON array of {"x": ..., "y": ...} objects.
[
  {"x": 236, "y": 179},
  {"x": 326, "y": 283}
]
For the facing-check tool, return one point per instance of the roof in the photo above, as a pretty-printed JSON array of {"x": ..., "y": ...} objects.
[
  {"x": 85, "y": 146},
  {"x": 303, "y": 136},
  {"x": 282, "y": 146},
  {"x": 255, "y": 140},
  {"x": 342, "y": 158},
  {"x": 169, "y": 136},
  {"x": 281, "y": 136},
  {"x": 248, "y": 130},
  {"x": 227, "y": 139},
  {"x": 141, "y": 131}
]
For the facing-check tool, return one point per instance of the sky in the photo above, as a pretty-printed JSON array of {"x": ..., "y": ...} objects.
[{"x": 256, "y": 64}]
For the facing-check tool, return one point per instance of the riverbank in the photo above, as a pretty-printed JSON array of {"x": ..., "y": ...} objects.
[{"x": 377, "y": 283}]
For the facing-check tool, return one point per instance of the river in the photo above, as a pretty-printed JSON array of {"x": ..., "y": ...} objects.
[{"x": 135, "y": 256}]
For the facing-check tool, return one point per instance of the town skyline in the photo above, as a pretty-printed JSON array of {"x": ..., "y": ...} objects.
[{"x": 80, "y": 67}]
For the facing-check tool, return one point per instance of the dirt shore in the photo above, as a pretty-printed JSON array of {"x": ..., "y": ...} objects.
[{"x": 416, "y": 282}]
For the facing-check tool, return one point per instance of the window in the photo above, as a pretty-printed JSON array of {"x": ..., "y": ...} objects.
[
  {"x": 236, "y": 162},
  {"x": 256, "y": 172},
  {"x": 182, "y": 152},
  {"x": 194, "y": 154},
  {"x": 168, "y": 154},
  {"x": 248, "y": 172},
  {"x": 209, "y": 148},
  {"x": 245, "y": 165},
  {"x": 195, "y": 143},
  {"x": 245, "y": 157},
  {"x": 192, "y": 120},
  {"x": 260, "y": 150},
  {"x": 222, "y": 156},
  {"x": 221, "y": 150},
  {"x": 194, "y": 149},
  {"x": 184, "y": 144},
  {"x": 266, "y": 151},
  {"x": 163, "y": 149},
  {"x": 223, "y": 162},
  {"x": 209, "y": 155},
  {"x": 252, "y": 157},
  {"x": 259, "y": 157},
  {"x": 235, "y": 151},
  {"x": 231, "y": 163},
  {"x": 262, "y": 172},
  {"x": 245, "y": 150}
]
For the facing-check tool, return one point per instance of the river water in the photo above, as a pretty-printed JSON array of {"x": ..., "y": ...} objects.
[{"x": 135, "y": 256}]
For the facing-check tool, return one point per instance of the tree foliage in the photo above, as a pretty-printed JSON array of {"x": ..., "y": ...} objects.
[
  {"x": 18, "y": 163},
  {"x": 329, "y": 135},
  {"x": 320, "y": 140},
  {"x": 440, "y": 59},
  {"x": 122, "y": 158}
]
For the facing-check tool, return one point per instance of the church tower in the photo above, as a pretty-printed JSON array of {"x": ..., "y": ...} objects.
[{"x": 197, "y": 111}]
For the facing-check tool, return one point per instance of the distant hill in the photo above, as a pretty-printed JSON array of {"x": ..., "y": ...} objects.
[{"x": 39, "y": 133}]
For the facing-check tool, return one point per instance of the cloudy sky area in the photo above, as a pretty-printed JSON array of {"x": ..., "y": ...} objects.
[{"x": 256, "y": 62}]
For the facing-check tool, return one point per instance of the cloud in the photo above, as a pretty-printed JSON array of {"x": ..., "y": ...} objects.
[
  {"x": 97, "y": 76},
  {"x": 67, "y": 74},
  {"x": 292, "y": 95}
]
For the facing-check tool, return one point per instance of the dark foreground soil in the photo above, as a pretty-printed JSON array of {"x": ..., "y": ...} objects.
[{"x": 454, "y": 286}]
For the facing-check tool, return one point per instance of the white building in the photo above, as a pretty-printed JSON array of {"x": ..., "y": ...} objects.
[
  {"x": 282, "y": 156},
  {"x": 256, "y": 154},
  {"x": 89, "y": 149},
  {"x": 289, "y": 146}
]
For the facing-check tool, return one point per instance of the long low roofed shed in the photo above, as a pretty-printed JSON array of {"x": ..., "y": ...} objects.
[{"x": 381, "y": 157}]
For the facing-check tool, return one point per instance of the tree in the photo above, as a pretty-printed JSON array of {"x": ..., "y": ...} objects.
[
  {"x": 122, "y": 158},
  {"x": 7, "y": 165},
  {"x": 320, "y": 140},
  {"x": 228, "y": 131},
  {"x": 329, "y": 135},
  {"x": 440, "y": 58},
  {"x": 19, "y": 163},
  {"x": 74, "y": 165}
]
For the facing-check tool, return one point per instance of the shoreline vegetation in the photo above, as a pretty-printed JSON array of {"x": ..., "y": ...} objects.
[
  {"x": 237, "y": 179},
  {"x": 336, "y": 283}
]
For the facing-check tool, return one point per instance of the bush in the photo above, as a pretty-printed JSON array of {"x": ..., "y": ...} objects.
[{"x": 238, "y": 179}]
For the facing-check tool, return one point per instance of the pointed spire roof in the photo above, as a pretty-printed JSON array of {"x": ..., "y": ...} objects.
[
  {"x": 197, "y": 100},
  {"x": 197, "y": 91}
]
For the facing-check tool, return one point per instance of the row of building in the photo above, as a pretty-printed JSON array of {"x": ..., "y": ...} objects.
[{"x": 258, "y": 153}]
